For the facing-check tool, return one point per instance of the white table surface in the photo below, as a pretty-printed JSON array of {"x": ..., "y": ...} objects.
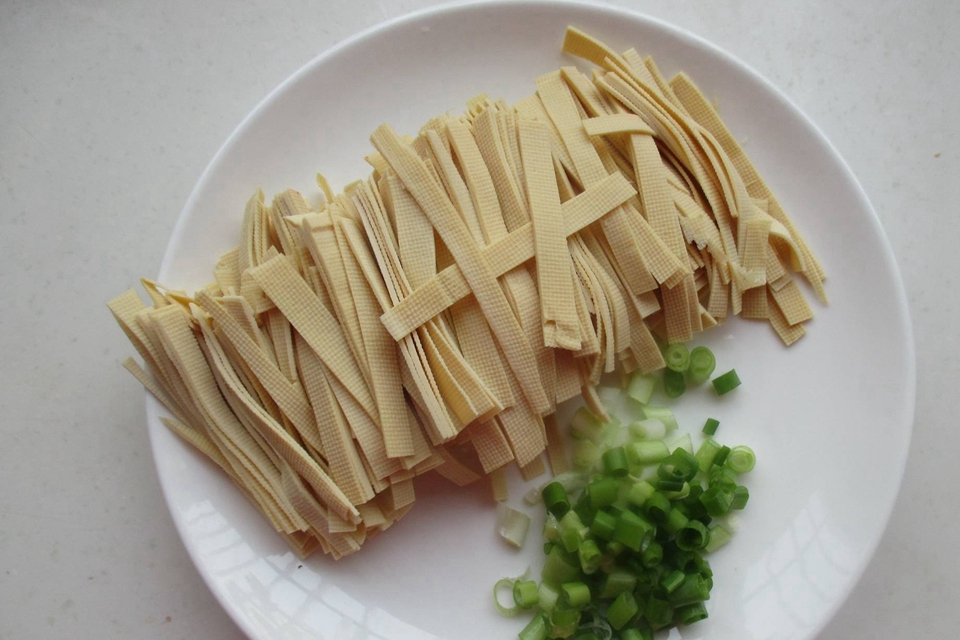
[{"x": 109, "y": 111}]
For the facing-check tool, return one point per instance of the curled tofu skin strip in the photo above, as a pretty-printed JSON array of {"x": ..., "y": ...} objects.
[{"x": 434, "y": 314}]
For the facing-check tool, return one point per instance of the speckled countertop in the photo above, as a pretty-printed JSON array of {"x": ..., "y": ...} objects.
[{"x": 109, "y": 111}]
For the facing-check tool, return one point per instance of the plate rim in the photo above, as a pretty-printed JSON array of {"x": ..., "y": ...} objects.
[{"x": 153, "y": 407}]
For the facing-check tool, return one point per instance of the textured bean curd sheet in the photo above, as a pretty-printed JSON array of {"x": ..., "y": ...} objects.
[{"x": 433, "y": 315}]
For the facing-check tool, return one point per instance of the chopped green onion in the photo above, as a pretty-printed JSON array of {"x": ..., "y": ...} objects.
[
  {"x": 563, "y": 622},
  {"x": 571, "y": 481},
  {"x": 551, "y": 530},
  {"x": 626, "y": 532},
  {"x": 678, "y": 466},
  {"x": 617, "y": 582},
  {"x": 640, "y": 492},
  {"x": 641, "y": 387},
  {"x": 719, "y": 536},
  {"x": 557, "y": 569},
  {"x": 603, "y": 492},
  {"x": 512, "y": 525},
  {"x": 536, "y": 629},
  {"x": 677, "y": 358},
  {"x": 702, "y": 566},
  {"x": 575, "y": 594},
  {"x": 506, "y": 612},
  {"x": 525, "y": 593},
  {"x": 617, "y": 435},
  {"x": 721, "y": 456},
  {"x": 586, "y": 426},
  {"x": 615, "y": 462},
  {"x": 673, "y": 383},
  {"x": 672, "y": 580},
  {"x": 693, "y": 536},
  {"x": 675, "y": 521},
  {"x": 657, "y": 507},
  {"x": 585, "y": 455},
  {"x": 741, "y": 459},
  {"x": 710, "y": 426},
  {"x": 727, "y": 382},
  {"x": 669, "y": 486},
  {"x": 649, "y": 429},
  {"x": 652, "y": 555},
  {"x": 646, "y": 452},
  {"x": 694, "y": 588},
  {"x": 716, "y": 501},
  {"x": 571, "y": 531},
  {"x": 691, "y": 613},
  {"x": 659, "y": 613},
  {"x": 706, "y": 454},
  {"x": 702, "y": 364},
  {"x": 603, "y": 525},
  {"x": 547, "y": 596},
  {"x": 556, "y": 500},
  {"x": 631, "y": 530},
  {"x": 663, "y": 414},
  {"x": 684, "y": 442},
  {"x": 622, "y": 610},
  {"x": 740, "y": 496},
  {"x": 722, "y": 477},
  {"x": 584, "y": 509},
  {"x": 590, "y": 556},
  {"x": 677, "y": 494}
]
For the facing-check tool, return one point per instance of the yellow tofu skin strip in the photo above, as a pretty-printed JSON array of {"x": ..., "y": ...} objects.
[{"x": 434, "y": 315}]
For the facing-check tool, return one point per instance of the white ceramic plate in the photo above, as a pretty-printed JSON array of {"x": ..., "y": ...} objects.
[{"x": 830, "y": 419}]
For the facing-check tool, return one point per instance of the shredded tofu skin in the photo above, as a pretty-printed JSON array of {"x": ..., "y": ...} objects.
[{"x": 431, "y": 316}]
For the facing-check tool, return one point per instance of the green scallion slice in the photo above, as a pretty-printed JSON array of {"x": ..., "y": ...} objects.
[
  {"x": 536, "y": 629},
  {"x": 525, "y": 594},
  {"x": 716, "y": 501},
  {"x": 641, "y": 387},
  {"x": 603, "y": 525},
  {"x": 719, "y": 536},
  {"x": 556, "y": 499},
  {"x": 702, "y": 364},
  {"x": 646, "y": 452},
  {"x": 631, "y": 530},
  {"x": 673, "y": 383},
  {"x": 622, "y": 610},
  {"x": 617, "y": 581},
  {"x": 693, "y": 536},
  {"x": 575, "y": 594},
  {"x": 740, "y": 497},
  {"x": 615, "y": 462},
  {"x": 727, "y": 382},
  {"x": 706, "y": 454},
  {"x": 710, "y": 426},
  {"x": 663, "y": 414},
  {"x": 691, "y": 613},
  {"x": 741, "y": 459},
  {"x": 677, "y": 358},
  {"x": 590, "y": 556},
  {"x": 558, "y": 569},
  {"x": 694, "y": 588},
  {"x": 659, "y": 613},
  {"x": 672, "y": 580}
]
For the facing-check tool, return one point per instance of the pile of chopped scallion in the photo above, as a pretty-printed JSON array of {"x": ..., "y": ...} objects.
[{"x": 627, "y": 530}]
